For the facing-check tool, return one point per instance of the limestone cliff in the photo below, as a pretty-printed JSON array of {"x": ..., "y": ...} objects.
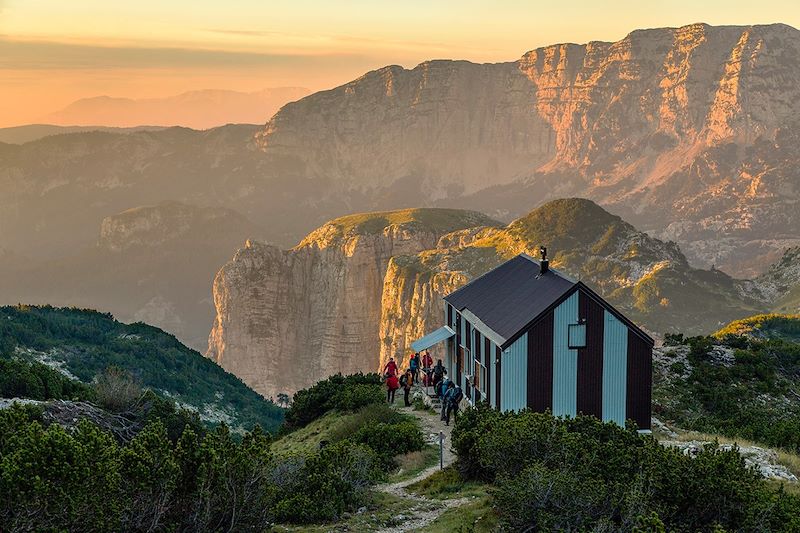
[
  {"x": 360, "y": 289},
  {"x": 287, "y": 318}
]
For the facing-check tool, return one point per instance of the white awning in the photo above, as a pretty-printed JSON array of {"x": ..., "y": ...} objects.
[{"x": 430, "y": 339}]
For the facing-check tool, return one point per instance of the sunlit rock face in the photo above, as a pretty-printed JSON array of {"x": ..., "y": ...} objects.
[
  {"x": 288, "y": 318},
  {"x": 690, "y": 129}
]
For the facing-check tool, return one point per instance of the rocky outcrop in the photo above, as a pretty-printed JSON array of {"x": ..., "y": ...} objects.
[
  {"x": 360, "y": 289},
  {"x": 288, "y": 318},
  {"x": 165, "y": 223}
]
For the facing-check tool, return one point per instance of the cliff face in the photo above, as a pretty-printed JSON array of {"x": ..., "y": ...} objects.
[
  {"x": 647, "y": 279},
  {"x": 288, "y": 318},
  {"x": 688, "y": 129},
  {"x": 360, "y": 289}
]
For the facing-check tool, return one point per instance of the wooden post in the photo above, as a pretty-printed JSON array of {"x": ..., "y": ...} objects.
[{"x": 441, "y": 450}]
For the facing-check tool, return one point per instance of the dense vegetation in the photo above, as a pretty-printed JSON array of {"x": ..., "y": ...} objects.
[
  {"x": 54, "y": 480},
  {"x": 174, "y": 475},
  {"x": 581, "y": 474},
  {"x": 385, "y": 431},
  {"x": 737, "y": 386},
  {"x": 85, "y": 343},
  {"x": 343, "y": 393},
  {"x": 768, "y": 326},
  {"x": 22, "y": 379}
]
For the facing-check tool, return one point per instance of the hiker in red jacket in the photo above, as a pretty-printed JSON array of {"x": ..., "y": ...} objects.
[
  {"x": 427, "y": 360},
  {"x": 392, "y": 384},
  {"x": 390, "y": 369}
]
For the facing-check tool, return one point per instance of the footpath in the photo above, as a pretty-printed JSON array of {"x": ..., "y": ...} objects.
[{"x": 426, "y": 510}]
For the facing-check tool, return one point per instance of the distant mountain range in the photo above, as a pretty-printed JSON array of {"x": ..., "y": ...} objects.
[
  {"x": 689, "y": 133},
  {"x": 33, "y": 132},
  {"x": 153, "y": 264},
  {"x": 195, "y": 109}
]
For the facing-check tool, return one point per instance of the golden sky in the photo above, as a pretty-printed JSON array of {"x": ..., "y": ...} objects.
[{"x": 53, "y": 52}]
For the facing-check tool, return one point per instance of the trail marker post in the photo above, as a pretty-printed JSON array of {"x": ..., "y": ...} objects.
[{"x": 441, "y": 450}]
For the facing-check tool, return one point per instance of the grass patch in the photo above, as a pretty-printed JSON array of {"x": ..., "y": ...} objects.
[
  {"x": 412, "y": 463},
  {"x": 474, "y": 517},
  {"x": 307, "y": 439},
  {"x": 447, "y": 484}
]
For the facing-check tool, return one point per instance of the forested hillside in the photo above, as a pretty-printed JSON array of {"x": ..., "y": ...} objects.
[{"x": 84, "y": 344}]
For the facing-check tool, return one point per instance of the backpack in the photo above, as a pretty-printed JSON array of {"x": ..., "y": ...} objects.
[
  {"x": 438, "y": 371},
  {"x": 458, "y": 395},
  {"x": 404, "y": 380},
  {"x": 414, "y": 363}
]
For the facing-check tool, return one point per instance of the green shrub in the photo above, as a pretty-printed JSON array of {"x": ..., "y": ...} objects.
[
  {"x": 368, "y": 415},
  {"x": 389, "y": 440},
  {"x": 582, "y": 474},
  {"x": 23, "y": 379},
  {"x": 346, "y": 393},
  {"x": 324, "y": 485}
]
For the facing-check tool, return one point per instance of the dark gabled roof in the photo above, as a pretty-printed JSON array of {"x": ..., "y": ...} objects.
[
  {"x": 514, "y": 296},
  {"x": 507, "y": 298}
]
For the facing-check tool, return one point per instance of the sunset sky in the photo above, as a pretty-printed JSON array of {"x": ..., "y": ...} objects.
[{"x": 53, "y": 52}]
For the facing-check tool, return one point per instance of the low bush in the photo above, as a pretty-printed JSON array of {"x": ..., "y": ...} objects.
[
  {"x": 389, "y": 440},
  {"x": 375, "y": 413},
  {"x": 346, "y": 393},
  {"x": 35, "y": 381},
  {"x": 52, "y": 479},
  {"x": 582, "y": 474}
]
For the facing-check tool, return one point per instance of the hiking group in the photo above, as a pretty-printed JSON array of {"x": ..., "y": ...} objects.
[{"x": 446, "y": 390}]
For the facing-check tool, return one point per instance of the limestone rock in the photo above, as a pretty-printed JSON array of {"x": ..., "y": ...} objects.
[{"x": 288, "y": 318}]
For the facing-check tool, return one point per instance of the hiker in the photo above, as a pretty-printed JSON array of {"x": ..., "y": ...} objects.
[
  {"x": 453, "y": 398},
  {"x": 392, "y": 384},
  {"x": 406, "y": 381},
  {"x": 390, "y": 369},
  {"x": 427, "y": 361},
  {"x": 443, "y": 387},
  {"x": 414, "y": 365},
  {"x": 438, "y": 373}
]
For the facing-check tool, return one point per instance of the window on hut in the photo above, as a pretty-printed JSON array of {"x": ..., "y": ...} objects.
[{"x": 577, "y": 336}]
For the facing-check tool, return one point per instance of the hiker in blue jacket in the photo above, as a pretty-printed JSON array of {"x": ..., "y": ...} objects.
[
  {"x": 413, "y": 365},
  {"x": 441, "y": 391},
  {"x": 452, "y": 399}
]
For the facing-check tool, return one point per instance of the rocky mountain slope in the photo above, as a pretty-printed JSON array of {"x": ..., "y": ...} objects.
[
  {"x": 781, "y": 283},
  {"x": 689, "y": 133},
  {"x": 288, "y": 318},
  {"x": 691, "y": 129},
  {"x": 360, "y": 289},
  {"x": 153, "y": 264},
  {"x": 647, "y": 279}
]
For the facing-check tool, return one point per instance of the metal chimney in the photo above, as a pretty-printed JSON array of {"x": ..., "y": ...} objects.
[{"x": 544, "y": 264}]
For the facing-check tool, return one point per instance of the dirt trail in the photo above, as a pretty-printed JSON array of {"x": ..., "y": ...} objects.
[{"x": 426, "y": 510}]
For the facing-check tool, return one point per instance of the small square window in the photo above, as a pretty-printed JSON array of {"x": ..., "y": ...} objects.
[{"x": 577, "y": 336}]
